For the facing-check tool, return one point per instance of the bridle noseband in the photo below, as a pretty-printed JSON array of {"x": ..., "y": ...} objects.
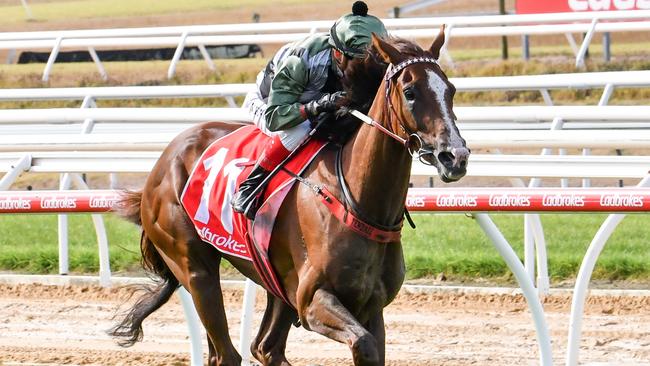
[{"x": 413, "y": 142}]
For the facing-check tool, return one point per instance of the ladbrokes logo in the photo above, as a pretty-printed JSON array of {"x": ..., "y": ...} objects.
[
  {"x": 14, "y": 204},
  {"x": 621, "y": 200},
  {"x": 567, "y": 200},
  {"x": 457, "y": 201},
  {"x": 102, "y": 202},
  {"x": 509, "y": 200},
  {"x": 227, "y": 244},
  {"x": 417, "y": 201},
  {"x": 55, "y": 202},
  {"x": 596, "y": 5}
]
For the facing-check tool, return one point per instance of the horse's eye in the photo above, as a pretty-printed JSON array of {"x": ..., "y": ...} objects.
[{"x": 409, "y": 94}]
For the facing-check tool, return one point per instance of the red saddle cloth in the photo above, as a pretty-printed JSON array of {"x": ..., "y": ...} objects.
[{"x": 213, "y": 183}]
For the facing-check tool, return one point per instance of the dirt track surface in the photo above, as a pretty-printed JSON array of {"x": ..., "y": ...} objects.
[{"x": 50, "y": 325}]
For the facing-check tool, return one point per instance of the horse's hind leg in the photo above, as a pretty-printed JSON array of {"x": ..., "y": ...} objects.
[
  {"x": 270, "y": 343},
  {"x": 196, "y": 265},
  {"x": 205, "y": 287}
]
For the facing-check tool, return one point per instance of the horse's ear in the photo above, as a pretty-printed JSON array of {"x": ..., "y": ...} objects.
[
  {"x": 438, "y": 43},
  {"x": 388, "y": 53}
]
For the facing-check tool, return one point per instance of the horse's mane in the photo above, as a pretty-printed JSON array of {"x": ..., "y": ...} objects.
[{"x": 362, "y": 84}]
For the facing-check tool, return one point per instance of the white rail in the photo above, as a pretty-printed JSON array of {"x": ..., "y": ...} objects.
[
  {"x": 136, "y": 92},
  {"x": 276, "y": 33},
  {"x": 475, "y": 140},
  {"x": 175, "y": 115},
  {"x": 150, "y": 144},
  {"x": 480, "y": 165},
  {"x": 324, "y": 25},
  {"x": 590, "y": 80},
  {"x": 280, "y": 38},
  {"x": 158, "y": 115}
]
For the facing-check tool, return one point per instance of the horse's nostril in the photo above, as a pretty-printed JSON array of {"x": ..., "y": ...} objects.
[
  {"x": 463, "y": 163},
  {"x": 446, "y": 158}
]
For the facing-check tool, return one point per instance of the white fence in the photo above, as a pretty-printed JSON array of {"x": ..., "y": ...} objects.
[
  {"x": 542, "y": 83},
  {"x": 170, "y": 121},
  {"x": 516, "y": 114},
  {"x": 141, "y": 139},
  {"x": 482, "y": 126},
  {"x": 261, "y": 33},
  {"x": 500, "y": 244}
]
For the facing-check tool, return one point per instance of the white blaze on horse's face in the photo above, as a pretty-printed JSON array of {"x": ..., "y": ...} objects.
[
  {"x": 450, "y": 151},
  {"x": 439, "y": 88}
]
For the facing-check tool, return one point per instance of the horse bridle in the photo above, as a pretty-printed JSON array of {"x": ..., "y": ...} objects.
[
  {"x": 419, "y": 152},
  {"x": 348, "y": 212},
  {"x": 413, "y": 143}
]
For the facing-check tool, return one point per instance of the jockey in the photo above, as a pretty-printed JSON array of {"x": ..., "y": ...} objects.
[{"x": 298, "y": 86}]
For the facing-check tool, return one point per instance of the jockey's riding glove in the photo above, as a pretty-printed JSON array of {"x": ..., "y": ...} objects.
[
  {"x": 322, "y": 119},
  {"x": 326, "y": 103}
]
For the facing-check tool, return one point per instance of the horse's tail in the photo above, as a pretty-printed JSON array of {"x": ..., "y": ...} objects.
[
  {"x": 129, "y": 330},
  {"x": 128, "y": 206}
]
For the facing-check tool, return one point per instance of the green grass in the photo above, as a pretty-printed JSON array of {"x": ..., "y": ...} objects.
[
  {"x": 456, "y": 246},
  {"x": 61, "y": 10},
  {"x": 29, "y": 243},
  {"x": 449, "y": 244}
]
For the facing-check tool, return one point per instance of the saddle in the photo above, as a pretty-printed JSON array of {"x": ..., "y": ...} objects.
[{"x": 213, "y": 182}]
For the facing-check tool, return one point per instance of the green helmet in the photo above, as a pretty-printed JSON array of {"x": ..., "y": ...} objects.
[{"x": 351, "y": 34}]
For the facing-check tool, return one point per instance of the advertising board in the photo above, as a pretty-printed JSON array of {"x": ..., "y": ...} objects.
[{"x": 564, "y": 6}]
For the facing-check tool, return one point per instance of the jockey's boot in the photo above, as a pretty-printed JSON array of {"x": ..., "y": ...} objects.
[{"x": 244, "y": 200}]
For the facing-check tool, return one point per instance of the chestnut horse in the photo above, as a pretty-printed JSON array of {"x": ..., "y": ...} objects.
[{"x": 337, "y": 281}]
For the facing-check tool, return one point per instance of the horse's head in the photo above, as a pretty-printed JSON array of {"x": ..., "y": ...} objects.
[{"x": 419, "y": 100}]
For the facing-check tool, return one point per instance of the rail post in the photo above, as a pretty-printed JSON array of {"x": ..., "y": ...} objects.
[
  {"x": 50, "y": 61},
  {"x": 511, "y": 259},
  {"x": 580, "y": 58},
  {"x": 207, "y": 57},
  {"x": 246, "y": 326},
  {"x": 607, "y": 41},
  {"x": 28, "y": 11},
  {"x": 98, "y": 62},
  {"x": 525, "y": 47},
  {"x": 22, "y": 165},
  {"x": 193, "y": 327},
  {"x": 177, "y": 55},
  {"x": 504, "y": 39},
  {"x": 584, "y": 275}
]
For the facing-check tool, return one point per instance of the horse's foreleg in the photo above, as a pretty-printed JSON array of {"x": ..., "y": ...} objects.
[
  {"x": 270, "y": 343},
  {"x": 326, "y": 315},
  {"x": 376, "y": 327}
]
